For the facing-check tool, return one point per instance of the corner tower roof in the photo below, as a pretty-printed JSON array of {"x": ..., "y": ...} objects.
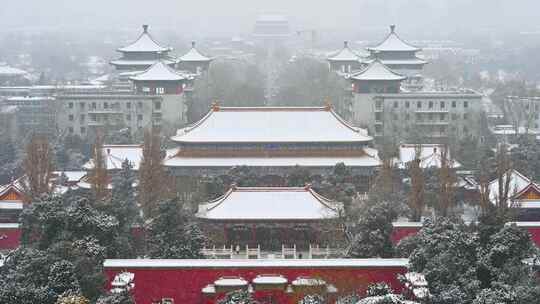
[
  {"x": 193, "y": 55},
  {"x": 393, "y": 42},
  {"x": 144, "y": 44},
  {"x": 345, "y": 54},
  {"x": 376, "y": 70}
]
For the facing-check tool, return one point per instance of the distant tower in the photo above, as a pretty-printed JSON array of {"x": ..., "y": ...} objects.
[
  {"x": 141, "y": 54},
  {"x": 345, "y": 61},
  {"x": 400, "y": 56},
  {"x": 194, "y": 61}
]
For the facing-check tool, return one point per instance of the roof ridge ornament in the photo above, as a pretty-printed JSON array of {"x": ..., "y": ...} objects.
[
  {"x": 392, "y": 28},
  {"x": 345, "y": 44},
  {"x": 145, "y": 28},
  {"x": 307, "y": 186},
  {"x": 327, "y": 104},
  {"x": 193, "y": 44},
  {"x": 215, "y": 106}
]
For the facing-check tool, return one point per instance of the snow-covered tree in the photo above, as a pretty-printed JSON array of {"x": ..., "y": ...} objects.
[
  {"x": 237, "y": 297},
  {"x": 371, "y": 233},
  {"x": 312, "y": 299},
  {"x": 38, "y": 167},
  {"x": 173, "y": 233},
  {"x": 378, "y": 289},
  {"x": 116, "y": 298}
]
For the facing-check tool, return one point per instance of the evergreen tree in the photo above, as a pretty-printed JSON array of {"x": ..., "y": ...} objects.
[
  {"x": 173, "y": 234},
  {"x": 237, "y": 297},
  {"x": 116, "y": 298}
]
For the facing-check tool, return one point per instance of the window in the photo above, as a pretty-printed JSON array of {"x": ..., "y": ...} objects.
[
  {"x": 430, "y": 105},
  {"x": 418, "y": 117},
  {"x": 70, "y": 130},
  {"x": 430, "y": 116},
  {"x": 139, "y": 117},
  {"x": 70, "y": 117},
  {"x": 70, "y": 105},
  {"x": 146, "y": 89},
  {"x": 442, "y": 129},
  {"x": 139, "y": 105},
  {"x": 157, "y": 105},
  {"x": 81, "y": 118},
  {"x": 128, "y": 105},
  {"x": 465, "y": 129},
  {"x": 407, "y": 104},
  {"x": 82, "y": 105},
  {"x": 94, "y": 105},
  {"x": 378, "y": 104},
  {"x": 160, "y": 90},
  {"x": 128, "y": 117},
  {"x": 465, "y": 116},
  {"x": 442, "y": 116},
  {"x": 442, "y": 104},
  {"x": 395, "y": 104},
  {"x": 83, "y": 130},
  {"x": 454, "y": 104},
  {"x": 395, "y": 116},
  {"x": 419, "y": 104},
  {"x": 378, "y": 129},
  {"x": 465, "y": 104},
  {"x": 407, "y": 116},
  {"x": 105, "y": 105},
  {"x": 378, "y": 116},
  {"x": 454, "y": 116}
]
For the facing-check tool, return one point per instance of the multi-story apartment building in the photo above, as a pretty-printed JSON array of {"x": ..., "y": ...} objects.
[
  {"x": 36, "y": 114},
  {"x": 380, "y": 105},
  {"x": 84, "y": 114}
]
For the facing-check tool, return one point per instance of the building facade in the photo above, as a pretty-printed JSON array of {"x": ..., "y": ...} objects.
[
  {"x": 35, "y": 114},
  {"x": 380, "y": 105},
  {"x": 85, "y": 114}
]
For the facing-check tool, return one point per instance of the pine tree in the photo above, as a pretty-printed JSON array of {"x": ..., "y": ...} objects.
[
  {"x": 237, "y": 297},
  {"x": 173, "y": 234}
]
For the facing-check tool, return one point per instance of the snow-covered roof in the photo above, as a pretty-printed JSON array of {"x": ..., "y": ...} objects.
[
  {"x": 517, "y": 182},
  {"x": 11, "y": 205},
  {"x": 159, "y": 71},
  {"x": 430, "y": 155},
  {"x": 145, "y": 43},
  {"x": 229, "y": 162},
  {"x": 243, "y": 263},
  {"x": 6, "y": 70},
  {"x": 193, "y": 55},
  {"x": 411, "y": 61},
  {"x": 407, "y": 224},
  {"x": 271, "y": 125},
  {"x": 9, "y": 225},
  {"x": 345, "y": 54},
  {"x": 230, "y": 282},
  {"x": 72, "y": 176},
  {"x": 308, "y": 281},
  {"x": 270, "y": 279},
  {"x": 269, "y": 203},
  {"x": 142, "y": 63},
  {"x": 376, "y": 70},
  {"x": 115, "y": 155},
  {"x": 393, "y": 42}
]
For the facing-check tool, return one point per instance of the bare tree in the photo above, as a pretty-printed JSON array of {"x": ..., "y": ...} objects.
[
  {"x": 416, "y": 195},
  {"x": 447, "y": 182},
  {"x": 98, "y": 175},
  {"x": 38, "y": 167},
  {"x": 504, "y": 176},
  {"x": 152, "y": 176}
]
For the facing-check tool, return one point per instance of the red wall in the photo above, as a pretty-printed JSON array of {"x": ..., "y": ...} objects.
[
  {"x": 401, "y": 232},
  {"x": 10, "y": 238},
  {"x": 184, "y": 284}
]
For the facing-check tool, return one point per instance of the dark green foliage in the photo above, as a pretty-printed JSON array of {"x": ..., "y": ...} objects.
[
  {"x": 474, "y": 264},
  {"x": 238, "y": 297},
  {"x": 116, "y": 298},
  {"x": 372, "y": 231},
  {"x": 173, "y": 234},
  {"x": 378, "y": 289}
]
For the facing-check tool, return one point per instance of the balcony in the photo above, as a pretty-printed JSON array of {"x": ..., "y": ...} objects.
[
  {"x": 105, "y": 111},
  {"x": 313, "y": 252}
]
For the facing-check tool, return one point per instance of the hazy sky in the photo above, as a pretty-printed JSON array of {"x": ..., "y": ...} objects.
[{"x": 238, "y": 15}]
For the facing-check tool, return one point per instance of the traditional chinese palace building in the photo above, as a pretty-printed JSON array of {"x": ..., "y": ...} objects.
[
  {"x": 271, "y": 140},
  {"x": 345, "y": 61},
  {"x": 194, "y": 61},
  {"x": 271, "y": 219},
  {"x": 399, "y": 56},
  {"x": 142, "y": 53}
]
